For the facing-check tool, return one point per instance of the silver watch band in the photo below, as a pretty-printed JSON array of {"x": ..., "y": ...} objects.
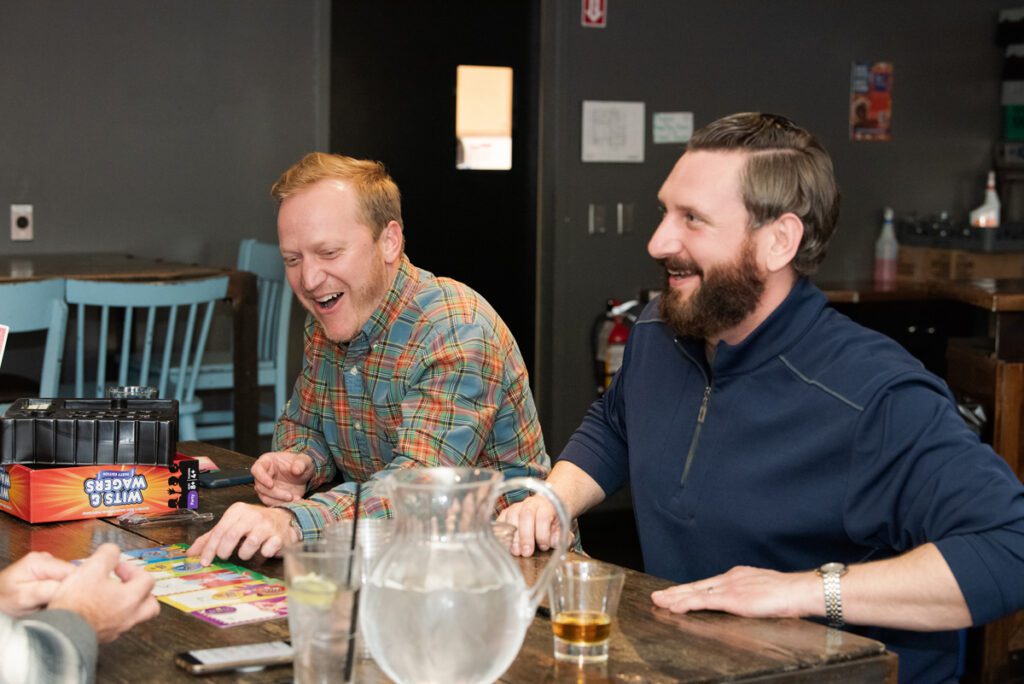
[{"x": 833, "y": 599}]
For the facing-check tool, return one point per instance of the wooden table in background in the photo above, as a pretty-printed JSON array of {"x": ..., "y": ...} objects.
[
  {"x": 648, "y": 646},
  {"x": 242, "y": 295}
]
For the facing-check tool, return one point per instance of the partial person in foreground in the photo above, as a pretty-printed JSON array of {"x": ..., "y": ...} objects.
[
  {"x": 783, "y": 460},
  {"x": 402, "y": 369},
  {"x": 53, "y": 614}
]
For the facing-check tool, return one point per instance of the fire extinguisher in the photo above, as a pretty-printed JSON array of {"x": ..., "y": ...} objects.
[{"x": 611, "y": 330}]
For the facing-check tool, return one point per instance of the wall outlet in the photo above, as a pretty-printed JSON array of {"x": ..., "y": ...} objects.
[{"x": 22, "y": 225}]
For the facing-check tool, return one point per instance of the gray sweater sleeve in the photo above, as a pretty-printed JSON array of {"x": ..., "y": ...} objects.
[{"x": 49, "y": 646}]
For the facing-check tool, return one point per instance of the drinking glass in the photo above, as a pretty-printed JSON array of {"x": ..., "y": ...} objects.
[
  {"x": 122, "y": 393},
  {"x": 583, "y": 597},
  {"x": 372, "y": 538},
  {"x": 323, "y": 579},
  {"x": 131, "y": 392}
]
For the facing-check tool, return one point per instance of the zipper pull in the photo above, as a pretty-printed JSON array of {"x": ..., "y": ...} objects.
[{"x": 704, "y": 405}]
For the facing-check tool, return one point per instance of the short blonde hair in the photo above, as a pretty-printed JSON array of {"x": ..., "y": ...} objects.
[{"x": 379, "y": 199}]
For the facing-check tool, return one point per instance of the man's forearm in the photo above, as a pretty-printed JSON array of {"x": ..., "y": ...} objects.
[
  {"x": 915, "y": 591},
  {"x": 577, "y": 490}
]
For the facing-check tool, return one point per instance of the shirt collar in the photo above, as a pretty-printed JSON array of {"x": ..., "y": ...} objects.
[{"x": 784, "y": 326}]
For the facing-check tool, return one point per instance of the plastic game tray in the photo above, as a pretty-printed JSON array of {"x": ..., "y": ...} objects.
[{"x": 75, "y": 432}]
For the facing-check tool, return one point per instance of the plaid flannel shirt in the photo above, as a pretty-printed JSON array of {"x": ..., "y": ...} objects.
[{"x": 434, "y": 378}]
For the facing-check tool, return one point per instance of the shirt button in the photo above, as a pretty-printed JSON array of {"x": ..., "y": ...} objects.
[
  {"x": 353, "y": 370},
  {"x": 358, "y": 425}
]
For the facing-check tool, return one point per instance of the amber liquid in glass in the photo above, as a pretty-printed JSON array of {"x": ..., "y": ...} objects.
[{"x": 582, "y": 626}]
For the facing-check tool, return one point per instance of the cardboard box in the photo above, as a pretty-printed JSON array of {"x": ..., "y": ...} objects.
[
  {"x": 985, "y": 265},
  {"x": 935, "y": 263},
  {"x": 38, "y": 494},
  {"x": 923, "y": 263}
]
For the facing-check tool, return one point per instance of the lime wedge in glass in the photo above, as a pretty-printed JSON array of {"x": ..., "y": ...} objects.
[{"x": 313, "y": 590}]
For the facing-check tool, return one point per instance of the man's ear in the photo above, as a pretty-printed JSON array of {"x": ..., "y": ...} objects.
[
  {"x": 783, "y": 238},
  {"x": 390, "y": 240}
]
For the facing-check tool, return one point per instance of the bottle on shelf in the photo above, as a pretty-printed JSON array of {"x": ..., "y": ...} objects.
[
  {"x": 887, "y": 251},
  {"x": 987, "y": 214}
]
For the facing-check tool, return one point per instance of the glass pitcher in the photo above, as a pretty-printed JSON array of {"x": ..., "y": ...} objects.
[{"x": 446, "y": 603}]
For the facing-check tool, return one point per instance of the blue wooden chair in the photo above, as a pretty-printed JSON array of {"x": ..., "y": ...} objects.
[
  {"x": 274, "y": 308},
  {"x": 154, "y": 333},
  {"x": 31, "y": 307}
]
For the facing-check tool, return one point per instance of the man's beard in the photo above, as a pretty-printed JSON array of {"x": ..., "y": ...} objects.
[{"x": 727, "y": 295}]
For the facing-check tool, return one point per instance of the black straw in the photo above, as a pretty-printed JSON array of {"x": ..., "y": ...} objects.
[{"x": 350, "y": 660}]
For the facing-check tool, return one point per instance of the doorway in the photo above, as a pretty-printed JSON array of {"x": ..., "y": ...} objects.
[{"x": 393, "y": 98}]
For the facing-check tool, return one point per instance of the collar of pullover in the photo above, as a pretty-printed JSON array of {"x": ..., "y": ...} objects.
[{"x": 781, "y": 330}]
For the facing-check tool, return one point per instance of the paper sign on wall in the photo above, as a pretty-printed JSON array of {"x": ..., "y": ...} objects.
[
  {"x": 613, "y": 131},
  {"x": 672, "y": 127}
]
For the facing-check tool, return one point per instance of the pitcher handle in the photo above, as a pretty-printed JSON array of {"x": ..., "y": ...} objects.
[{"x": 561, "y": 544}]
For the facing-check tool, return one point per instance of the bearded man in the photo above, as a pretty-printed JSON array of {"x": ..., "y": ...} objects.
[{"x": 783, "y": 460}]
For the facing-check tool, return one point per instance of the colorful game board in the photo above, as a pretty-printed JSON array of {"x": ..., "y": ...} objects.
[{"x": 222, "y": 594}]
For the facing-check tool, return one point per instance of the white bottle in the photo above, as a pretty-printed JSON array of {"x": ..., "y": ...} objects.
[
  {"x": 887, "y": 251},
  {"x": 987, "y": 215}
]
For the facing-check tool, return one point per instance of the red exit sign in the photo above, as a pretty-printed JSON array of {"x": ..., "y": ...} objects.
[{"x": 594, "y": 13}]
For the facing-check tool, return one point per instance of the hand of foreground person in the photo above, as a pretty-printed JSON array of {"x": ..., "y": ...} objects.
[
  {"x": 28, "y": 584},
  {"x": 110, "y": 604}
]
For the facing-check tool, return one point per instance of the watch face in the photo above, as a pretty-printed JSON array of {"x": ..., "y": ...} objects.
[{"x": 832, "y": 567}]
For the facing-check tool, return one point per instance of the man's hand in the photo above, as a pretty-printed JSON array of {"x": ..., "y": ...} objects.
[
  {"x": 263, "y": 529},
  {"x": 29, "y": 583},
  {"x": 111, "y": 605},
  {"x": 749, "y": 592},
  {"x": 281, "y": 477},
  {"x": 536, "y": 522},
  {"x": 535, "y": 518}
]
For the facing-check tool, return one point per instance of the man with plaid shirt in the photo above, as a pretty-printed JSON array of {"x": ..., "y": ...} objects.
[{"x": 402, "y": 369}]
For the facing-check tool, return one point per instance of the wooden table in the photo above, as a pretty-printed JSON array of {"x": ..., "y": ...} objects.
[
  {"x": 649, "y": 645},
  {"x": 983, "y": 362},
  {"x": 242, "y": 294}
]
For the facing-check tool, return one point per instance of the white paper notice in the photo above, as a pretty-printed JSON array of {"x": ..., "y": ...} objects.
[
  {"x": 613, "y": 131},
  {"x": 672, "y": 127}
]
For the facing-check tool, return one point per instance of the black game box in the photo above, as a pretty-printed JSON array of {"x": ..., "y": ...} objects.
[{"x": 77, "y": 432}]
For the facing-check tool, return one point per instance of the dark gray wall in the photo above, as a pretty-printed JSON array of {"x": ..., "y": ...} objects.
[
  {"x": 156, "y": 127},
  {"x": 713, "y": 58}
]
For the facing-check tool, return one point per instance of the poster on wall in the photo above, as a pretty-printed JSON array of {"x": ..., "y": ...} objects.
[{"x": 871, "y": 101}]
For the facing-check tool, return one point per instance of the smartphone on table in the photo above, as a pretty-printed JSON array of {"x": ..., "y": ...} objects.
[
  {"x": 226, "y": 477},
  {"x": 225, "y": 658}
]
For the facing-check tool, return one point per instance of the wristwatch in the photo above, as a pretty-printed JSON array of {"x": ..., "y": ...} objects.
[{"x": 830, "y": 574}]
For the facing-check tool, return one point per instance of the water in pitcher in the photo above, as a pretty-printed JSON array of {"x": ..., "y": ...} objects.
[
  {"x": 446, "y": 603},
  {"x": 420, "y": 629}
]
